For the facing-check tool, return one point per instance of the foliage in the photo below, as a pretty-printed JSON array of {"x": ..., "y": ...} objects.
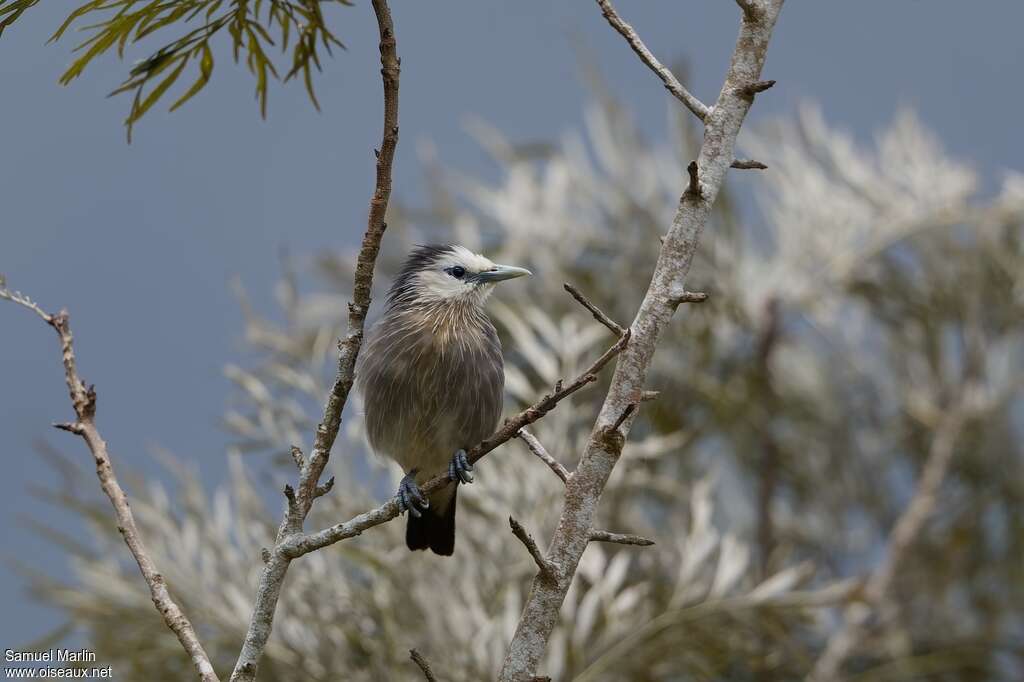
[
  {"x": 255, "y": 29},
  {"x": 796, "y": 409}
]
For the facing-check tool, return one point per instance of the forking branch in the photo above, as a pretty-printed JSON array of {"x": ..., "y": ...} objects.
[
  {"x": 583, "y": 490},
  {"x": 83, "y": 399}
]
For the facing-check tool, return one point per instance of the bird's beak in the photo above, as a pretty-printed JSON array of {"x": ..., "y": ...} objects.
[{"x": 502, "y": 272}]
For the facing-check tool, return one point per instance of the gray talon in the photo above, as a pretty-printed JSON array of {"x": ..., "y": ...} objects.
[
  {"x": 459, "y": 468},
  {"x": 409, "y": 497}
]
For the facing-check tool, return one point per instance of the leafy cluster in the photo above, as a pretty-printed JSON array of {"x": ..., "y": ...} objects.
[
  {"x": 255, "y": 29},
  {"x": 796, "y": 409}
]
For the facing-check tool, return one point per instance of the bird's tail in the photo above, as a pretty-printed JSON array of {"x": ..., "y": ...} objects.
[{"x": 435, "y": 529}]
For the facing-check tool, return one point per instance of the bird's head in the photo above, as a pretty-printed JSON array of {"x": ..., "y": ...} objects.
[{"x": 436, "y": 275}]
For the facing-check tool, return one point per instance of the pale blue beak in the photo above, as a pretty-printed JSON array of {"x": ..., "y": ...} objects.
[{"x": 502, "y": 272}]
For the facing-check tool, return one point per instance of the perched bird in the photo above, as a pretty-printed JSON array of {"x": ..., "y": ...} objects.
[{"x": 432, "y": 377}]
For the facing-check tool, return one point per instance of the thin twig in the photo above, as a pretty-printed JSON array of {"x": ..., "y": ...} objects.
[
  {"x": 538, "y": 449},
  {"x": 605, "y": 536},
  {"x": 748, "y": 164},
  {"x": 672, "y": 84},
  {"x": 545, "y": 566},
  {"x": 594, "y": 310},
  {"x": 688, "y": 297},
  {"x": 309, "y": 488},
  {"x": 756, "y": 87},
  {"x": 419, "y": 660},
  {"x": 84, "y": 401}
]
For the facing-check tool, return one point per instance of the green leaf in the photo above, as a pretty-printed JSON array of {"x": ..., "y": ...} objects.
[{"x": 205, "y": 69}]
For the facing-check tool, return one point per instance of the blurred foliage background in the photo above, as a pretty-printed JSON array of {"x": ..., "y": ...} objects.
[{"x": 852, "y": 306}]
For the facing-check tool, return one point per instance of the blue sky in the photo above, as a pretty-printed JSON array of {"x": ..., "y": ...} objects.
[{"x": 140, "y": 241}]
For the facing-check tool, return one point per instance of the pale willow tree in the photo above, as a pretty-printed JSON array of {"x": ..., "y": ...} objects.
[
  {"x": 632, "y": 351},
  {"x": 862, "y": 274},
  {"x": 858, "y": 355}
]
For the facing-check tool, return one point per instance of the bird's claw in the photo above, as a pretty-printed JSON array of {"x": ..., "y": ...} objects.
[
  {"x": 459, "y": 468},
  {"x": 409, "y": 496}
]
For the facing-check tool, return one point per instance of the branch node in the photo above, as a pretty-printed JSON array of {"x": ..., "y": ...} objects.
[
  {"x": 265, "y": 555},
  {"x": 297, "y": 457},
  {"x": 693, "y": 190},
  {"x": 755, "y": 88},
  {"x": 419, "y": 660},
  {"x": 751, "y": 10},
  {"x": 748, "y": 164},
  {"x": 547, "y": 568}
]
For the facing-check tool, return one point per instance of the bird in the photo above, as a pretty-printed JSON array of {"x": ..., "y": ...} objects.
[{"x": 432, "y": 378}]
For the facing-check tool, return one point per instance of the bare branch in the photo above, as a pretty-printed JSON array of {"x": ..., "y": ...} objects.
[
  {"x": 647, "y": 396},
  {"x": 269, "y": 588},
  {"x": 604, "y": 447},
  {"x": 84, "y": 401},
  {"x": 300, "y": 544},
  {"x": 594, "y": 310},
  {"x": 855, "y": 626},
  {"x": 419, "y": 660},
  {"x": 605, "y": 536},
  {"x": 672, "y": 84},
  {"x": 547, "y": 569},
  {"x": 748, "y": 164},
  {"x": 536, "y": 448}
]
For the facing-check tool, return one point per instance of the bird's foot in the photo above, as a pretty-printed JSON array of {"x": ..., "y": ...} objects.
[
  {"x": 409, "y": 496},
  {"x": 459, "y": 468}
]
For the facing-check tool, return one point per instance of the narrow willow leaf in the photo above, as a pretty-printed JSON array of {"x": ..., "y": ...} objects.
[
  {"x": 157, "y": 92},
  {"x": 205, "y": 69}
]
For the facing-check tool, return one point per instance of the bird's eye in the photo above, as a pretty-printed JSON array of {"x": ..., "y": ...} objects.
[{"x": 458, "y": 272}]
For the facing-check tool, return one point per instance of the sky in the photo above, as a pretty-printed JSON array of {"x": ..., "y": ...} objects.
[{"x": 140, "y": 242}]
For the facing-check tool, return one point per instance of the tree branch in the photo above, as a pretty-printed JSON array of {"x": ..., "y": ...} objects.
[
  {"x": 84, "y": 401},
  {"x": 536, "y": 448},
  {"x": 419, "y": 660},
  {"x": 845, "y": 641},
  {"x": 672, "y": 84},
  {"x": 583, "y": 491},
  {"x": 274, "y": 571}
]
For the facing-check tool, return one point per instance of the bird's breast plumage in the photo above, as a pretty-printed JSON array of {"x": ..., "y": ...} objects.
[{"x": 432, "y": 382}]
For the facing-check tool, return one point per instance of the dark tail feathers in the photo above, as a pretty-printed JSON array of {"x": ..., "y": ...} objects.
[{"x": 435, "y": 529}]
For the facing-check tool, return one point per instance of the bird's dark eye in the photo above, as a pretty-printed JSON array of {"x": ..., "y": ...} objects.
[{"x": 458, "y": 272}]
